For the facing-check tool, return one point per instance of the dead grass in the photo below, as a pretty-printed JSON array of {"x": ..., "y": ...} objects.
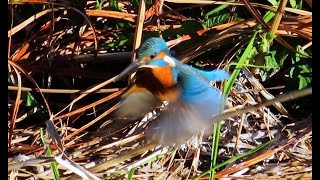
[{"x": 288, "y": 156}]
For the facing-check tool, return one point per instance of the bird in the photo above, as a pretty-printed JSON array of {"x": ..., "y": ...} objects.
[
  {"x": 193, "y": 101},
  {"x": 156, "y": 48}
]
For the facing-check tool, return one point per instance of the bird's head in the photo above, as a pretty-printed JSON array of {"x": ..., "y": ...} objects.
[
  {"x": 153, "y": 48},
  {"x": 149, "y": 54},
  {"x": 158, "y": 64},
  {"x": 155, "y": 60}
]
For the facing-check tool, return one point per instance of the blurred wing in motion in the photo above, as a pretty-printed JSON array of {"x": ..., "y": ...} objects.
[
  {"x": 136, "y": 103},
  {"x": 179, "y": 121},
  {"x": 153, "y": 83}
]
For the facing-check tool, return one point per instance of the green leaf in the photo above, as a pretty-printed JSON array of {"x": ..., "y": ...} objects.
[
  {"x": 293, "y": 3},
  {"x": 215, "y": 10},
  {"x": 299, "y": 6},
  {"x": 114, "y": 4},
  {"x": 271, "y": 61},
  {"x": 98, "y": 4},
  {"x": 269, "y": 15},
  {"x": 301, "y": 69},
  {"x": 264, "y": 45},
  {"x": 122, "y": 42},
  {"x": 252, "y": 54},
  {"x": 273, "y": 2},
  {"x": 53, "y": 165},
  {"x": 135, "y": 2},
  {"x": 270, "y": 36},
  {"x": 121, "y": 24},
  {"x": 272, "y": 65},
  {"x": 304, "y": 81},
  {"x": 283, "y": 57},
  {"x": 29, "y": 99},
  {"x": 217, "y": 19}
]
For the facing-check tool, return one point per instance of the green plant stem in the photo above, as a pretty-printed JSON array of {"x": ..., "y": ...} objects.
[{"x": 226, "y": 90}]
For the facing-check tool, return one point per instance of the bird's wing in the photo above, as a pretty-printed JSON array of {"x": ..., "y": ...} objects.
[
  {"x": 178, "y": 122},
  {"x": 136, "y": 102},
  {"x": 214, "y": 75}
]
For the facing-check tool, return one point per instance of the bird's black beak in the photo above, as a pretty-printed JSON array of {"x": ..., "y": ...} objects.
[{"x": 130, "y": 69}]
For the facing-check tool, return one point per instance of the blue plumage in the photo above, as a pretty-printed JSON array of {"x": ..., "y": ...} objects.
[{"x": 193, "y": 100}]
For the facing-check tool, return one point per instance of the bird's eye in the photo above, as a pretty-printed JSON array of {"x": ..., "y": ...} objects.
[{"x": 153, "y": 56}]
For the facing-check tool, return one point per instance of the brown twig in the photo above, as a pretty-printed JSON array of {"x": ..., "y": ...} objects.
[{"x": 60, "y": 91}]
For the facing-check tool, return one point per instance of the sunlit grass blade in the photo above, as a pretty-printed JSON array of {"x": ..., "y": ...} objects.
[
  {"x": 53, "y": 165},
  {"x": 226, "y": 89},
  {"x": 217, "y": 9},
  {"x": 234, "y": 158}
]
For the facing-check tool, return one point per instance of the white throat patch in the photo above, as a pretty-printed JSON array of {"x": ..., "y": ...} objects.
[{"x": 169, "y": 60}]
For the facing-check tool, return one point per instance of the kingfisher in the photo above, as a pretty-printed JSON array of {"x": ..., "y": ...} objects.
[{"x": 193, "y": 101}]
